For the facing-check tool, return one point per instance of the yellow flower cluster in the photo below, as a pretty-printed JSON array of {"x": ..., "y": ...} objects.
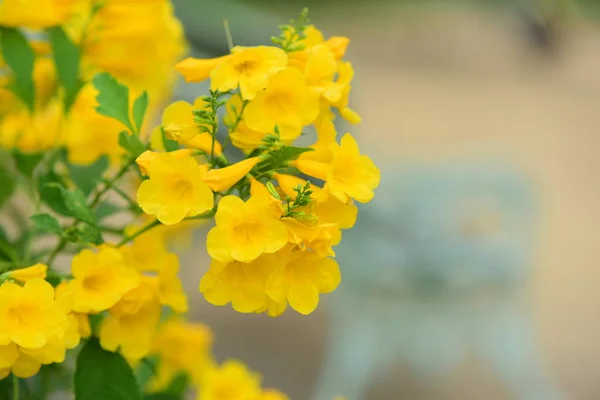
[
  {"x": 111, "y": 36},
  {"x": 37, "y": 322},
  {"x": 271, "y": 246}
]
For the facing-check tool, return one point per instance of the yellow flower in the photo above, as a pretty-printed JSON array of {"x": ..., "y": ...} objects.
[
  {"x": 349, "y": 175},
  {"x": 223, "y": 178},
  {"x": 37, "y": 271},
  {"x": 147, "y": 158},
  {"x": 320, "y": 71},
  {"x": 26, "y": 366},
  {"x": 326, "y": 140},
  {"x": 178, "y": 123},
  {"x": 182, "y": 347},
  {"x": 175, "y": 189},
  {"x": 9, "y": 353},
  {"x": 100, "y": 279},
  {"x": 31, "y": 132},
  {"x": 248, "y": 68},
  {"x": 272, "y": 394},
  {"x": 196, "y": 69},
  {"x": 233, "y": 381},
  {"x": 244, "y": 231},
  {"x": 29, "y": 316},
  {"x": 286, "y": 102},
  {"x": 345, "y": 75},
  {"x": 241, "y": 284},
  {"x": 87, "y": 134},
  {"x": 131, "y": 323},
  {"x": 42, "y": 14},
  {"x": 301, "y": 278}
]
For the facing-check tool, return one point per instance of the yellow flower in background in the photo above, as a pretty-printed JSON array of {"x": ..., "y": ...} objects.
[
  {"x": 248, "y": 68},
  {"x": 231, "y": 380},
  {"x": 198, "y": 69},
  {"x": 245, "y": 230},
  {"x": 116, "y": 40},
  {"x": 29, "y": 316},
  {"x": 223, "y": 178},
  {"x": 131, "y": 323},
  {"x": 273, "y": 394},
  {"x": 38, "y": 14},
  {"x": 31, "y": 132},
  {"x": 301, "y": 278},
  {"x": 88, "y": 135},
  {"x": 320, "y": 71},
  {"x": 100, "y": 279},
  {"x": 238, "y": 283},
  {"x": 345, "y": 75},
  {"x": 286, "y": 102},
  {"x": 182, "y": 347},
  {"x": 175, "y": 189},
  {"x": 37, "y": 271},
  {"x": 178, "y": 124}
]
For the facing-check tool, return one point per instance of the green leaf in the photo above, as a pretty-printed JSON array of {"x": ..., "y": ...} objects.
[
  {"x": 7, "y": 184},
  {"x": 87, "y": 177},
  {"x": 66, "y": 59},
  {"x": 113, "y": 98},
  {"x": 139, "y": 110},
  {"x": 26, "y": 163},
  {"x": 161, "y": 396},
  {"x": 104, "y": 210},
  {"x": 49, "y": 187},
  {"x": 168, "y": 144},
  {"x": 102, "y": 375},
  {"x": 19, "y": 56},
  {"x": 131, "y": 143},
  {"x": 75, "y": 202},
  {"x": 46, "y": 223},
  {"x": 88, "y": 234}
]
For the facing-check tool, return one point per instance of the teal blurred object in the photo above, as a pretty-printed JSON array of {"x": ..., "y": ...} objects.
[{"x": 434, "y": 269}]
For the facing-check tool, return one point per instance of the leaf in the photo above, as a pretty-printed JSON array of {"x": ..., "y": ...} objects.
[
  {"x": 104, "y": 210},
  {"x": 102, "y": 375},
  {"x": 168, "y": 144},
  {"x": 113, "y": 98},
  {"x": 281, "y": 157},
  {"x": 7, "y": 184},
  {"x": 131, "y": 143},
  {"x": 19, "y": 56},
  {"x": 49, "y": 187},
  {"x": 75, "y": 203},
  {"x": 161, "y": 396},
  {"x": 46, "y": 223},
  {"x": 139, "y": 110},
  {"x": 86, "y": 177},
  {"x": 66, "y": 59},
  {"x": 88, "y": 234},
  {"x": 26, "y": 163}
]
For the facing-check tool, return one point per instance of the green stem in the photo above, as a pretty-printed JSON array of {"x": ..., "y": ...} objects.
[
  {"x": 146, "y": 228},
  {"x": 16, "y": 387},
  {"x": 7, "y": 248},
  {"x": 125, "y": 196},
  {"x": 110, "y": 229},
  {"x": 108, "y": 184}
]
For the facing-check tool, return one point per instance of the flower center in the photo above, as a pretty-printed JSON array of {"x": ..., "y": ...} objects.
[
  {"x": 24, "y": 315},
  {"x": 244, "y": 233},
  {"x": 95, "y": 283},
  {"x": 246, "y": 67}
]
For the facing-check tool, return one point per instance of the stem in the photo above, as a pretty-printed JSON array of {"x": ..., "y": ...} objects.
[
  {"x": 110, "y": 229},
  {"x": 146, "y": 228},
  {"x": 6, "y": 248},
  {"x": 107, "y": 186},
  {"x": 228, "y": 34},
  {"x": 125, "y": 196},
  {"x": 239, "y": 116},
  {"x": 15, "y": 395}
]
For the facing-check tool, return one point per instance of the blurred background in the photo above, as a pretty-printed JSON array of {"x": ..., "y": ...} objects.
[{"x": 474, "y": 272}]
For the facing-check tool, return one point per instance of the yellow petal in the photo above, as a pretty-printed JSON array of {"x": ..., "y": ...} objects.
[
  {"x": 196, "y": 69},
  {"x": 29, "y": 273}
]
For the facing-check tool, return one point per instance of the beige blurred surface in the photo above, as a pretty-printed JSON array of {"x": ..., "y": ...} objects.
[{"x": 462, "y": 84}]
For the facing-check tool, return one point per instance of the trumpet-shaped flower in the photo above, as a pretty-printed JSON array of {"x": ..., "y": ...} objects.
[
  {"x": 37, "y": 271},
  {"x": 349, "y": 175},
  {"x": 178, "y": 124},
  {"x": 287, "y": 102},
  {"x": 29, "y": 316},
  {"x": 224, "y": 178},
  {"x": 232, "y": 380},
  {"x": 175, "y": 189},
  {"x": 183, "y": 347},
  {"x": 301, "y": 278},
  {"x": 46, "y": 13},
  {"x": 238, "y": 283},
  {"x": 131, "y": 323},
  {"x": 244, "y": 231},
  {"x": 100, "y": 279},
  {"x": 199, "y": 69},
  {"x": 248, "y": 68}
]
